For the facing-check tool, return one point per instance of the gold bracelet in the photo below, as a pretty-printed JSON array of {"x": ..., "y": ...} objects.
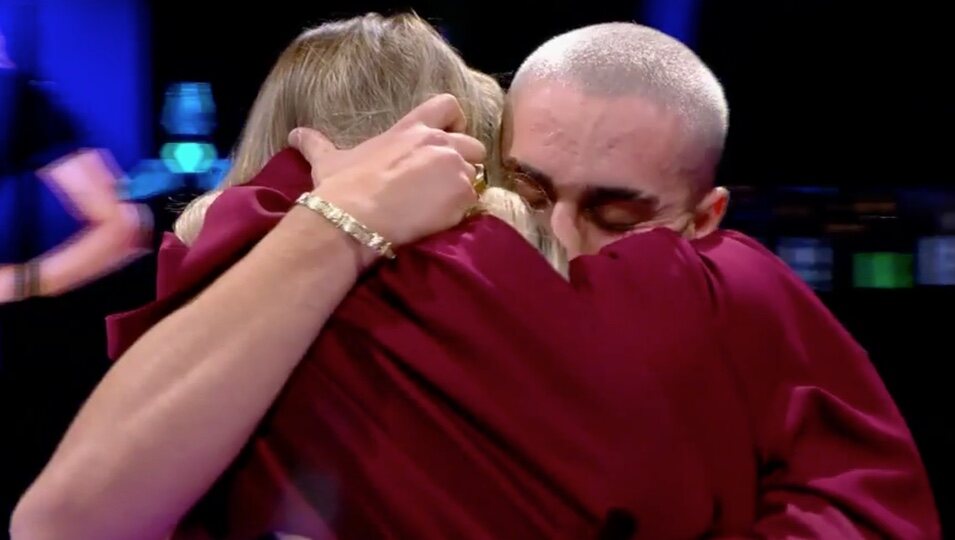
[{"x": 346, "y": 223}]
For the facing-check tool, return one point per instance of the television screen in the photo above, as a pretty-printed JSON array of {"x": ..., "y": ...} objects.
[
  {"x": 882, "y": 270},
  {"x": 810, "y": 259},
  {"x": 936, "y": 260}
]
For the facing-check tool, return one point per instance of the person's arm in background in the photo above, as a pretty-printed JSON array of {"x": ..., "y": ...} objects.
[
  {"x": 114, "y": 231},
  {"x": 837, "y": 459},
  {"x": 47, "y": 140},
  {"x": 181, "y": 402}
]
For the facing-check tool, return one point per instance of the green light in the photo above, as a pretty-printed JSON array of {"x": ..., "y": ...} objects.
[
  {"x": 188, "y": 157},
  {"x": 882, "y": 270}
]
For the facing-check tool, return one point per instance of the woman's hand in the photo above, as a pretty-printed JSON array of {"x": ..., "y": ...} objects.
[{"x": 407, "y": 183}]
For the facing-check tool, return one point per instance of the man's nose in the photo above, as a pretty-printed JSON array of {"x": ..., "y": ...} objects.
[{"x": 563, "y": 224}]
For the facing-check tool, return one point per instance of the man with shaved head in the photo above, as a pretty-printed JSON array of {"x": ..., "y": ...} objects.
[
  {"x": 617, "y": 129},
  {"x": 680, "y": 383}
]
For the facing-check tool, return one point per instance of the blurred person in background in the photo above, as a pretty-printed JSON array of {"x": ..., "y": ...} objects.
[
  {"x": 69, "y": 227},
  {"x": 62, "y": 226},
  {"x": 774, "y": 422}
]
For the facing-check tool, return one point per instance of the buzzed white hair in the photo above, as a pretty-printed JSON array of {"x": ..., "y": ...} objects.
[{"x": 620, "y": 59}]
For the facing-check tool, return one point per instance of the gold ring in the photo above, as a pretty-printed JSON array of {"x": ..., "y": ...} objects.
[{"x": 480, "y": 181}]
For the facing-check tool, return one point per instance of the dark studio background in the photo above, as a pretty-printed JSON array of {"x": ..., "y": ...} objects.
[{"x": 840, "y": 119}]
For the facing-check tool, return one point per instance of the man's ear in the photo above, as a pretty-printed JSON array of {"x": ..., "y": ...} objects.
[{"x": 710, "y": 211}]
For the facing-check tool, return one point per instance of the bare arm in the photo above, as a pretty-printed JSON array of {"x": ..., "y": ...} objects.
[
  {"x": 180, "y": 404},
  {"x": 174, "y": 411},
  {"x": 112, "y": 234},
  {"x": 114, "y": 227}
]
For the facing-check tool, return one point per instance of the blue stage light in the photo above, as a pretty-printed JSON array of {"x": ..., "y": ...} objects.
[
  {"x": 213, "y": 177},
  {"x": 677, "y": 18},
  {"x": 189, "y": 110}
]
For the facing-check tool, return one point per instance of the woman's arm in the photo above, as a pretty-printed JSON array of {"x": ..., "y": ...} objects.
[{"x": 179, "y": 405}]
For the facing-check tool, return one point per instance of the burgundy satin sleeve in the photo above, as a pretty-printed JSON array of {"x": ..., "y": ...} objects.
[
  {"x": 836, "y": 458},
  {"x": 238, "y": 219}
]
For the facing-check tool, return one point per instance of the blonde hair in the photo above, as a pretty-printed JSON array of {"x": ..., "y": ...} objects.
[{"x": 353, "y": 79}]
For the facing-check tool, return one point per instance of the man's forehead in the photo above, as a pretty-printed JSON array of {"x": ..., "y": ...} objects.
[
  {"x": 579, "y": 145},
  {"x": 560, "y": 104}
]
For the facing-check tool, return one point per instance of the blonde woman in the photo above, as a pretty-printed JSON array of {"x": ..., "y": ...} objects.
[
  {"x": 152, "y": 439},
  {"x": 325, "y": 80}
]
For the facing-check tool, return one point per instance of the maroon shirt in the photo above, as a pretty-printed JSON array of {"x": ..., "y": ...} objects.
[{"x": 464, "y": 390}]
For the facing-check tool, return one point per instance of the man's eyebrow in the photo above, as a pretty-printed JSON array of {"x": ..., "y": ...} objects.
[
  {"x": 598, "y": 195},
  {"x": 542, "y": 178}
]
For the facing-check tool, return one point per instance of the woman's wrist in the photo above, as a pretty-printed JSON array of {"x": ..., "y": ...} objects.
[
  {"x": 347, "y": 223},
  {"x": 321, "y": 239}
]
